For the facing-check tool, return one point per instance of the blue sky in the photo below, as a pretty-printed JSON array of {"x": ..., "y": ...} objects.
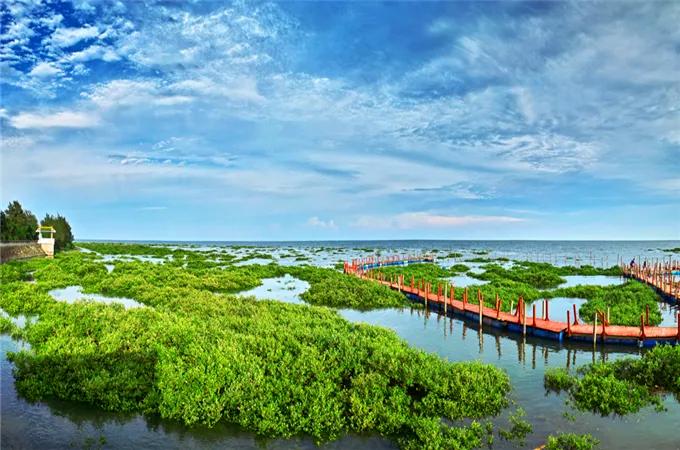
[{"x": 270, "y": 121}]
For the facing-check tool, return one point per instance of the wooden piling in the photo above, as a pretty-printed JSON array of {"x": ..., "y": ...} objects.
[
  {"x": 647, "y": 315},
  {"x": 656, "y": 274},
  {"x": 446, "y": 299},
  {"x": 568, "y": 323},
  {"x": 575, "y": 315}
]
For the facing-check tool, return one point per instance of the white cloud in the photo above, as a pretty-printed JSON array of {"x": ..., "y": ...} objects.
[
  {"x": 316, "y": 222},
  {"x": 423, "y": 220},
  {"x": 119, "y": 93},
  {"x": 67, "y": 37},
  {"x": 241, "y": 89},
  {"x": 94, "y": 52},
  {"x": 45, "y": 70},
  {"x": 62, "y": 119}
]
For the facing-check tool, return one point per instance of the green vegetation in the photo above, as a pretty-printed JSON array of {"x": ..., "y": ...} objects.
[
  {"x": 519, "y": 429},
  {"x": 17, "y": 224},
  {"x": 431, "y": 273},
  {"x": 116, "y": 248},
  {"x": 328, "y": 287},
  {"x": 454, "y": 255},
  {"x": 623, "y": 386},
  {"x": 536, "y": 277},
  {"x": 626, "y": 302},
  {"x": 673, "y": 250},
  {"x": 197, "y": 354},
  {"x": 6, "y": 325},
  {"x": 558, "y": 379},
  {"x": 478, "y": 259},
  {"x": 540, "y": 275},
  {"x": 571, "y": 441}
]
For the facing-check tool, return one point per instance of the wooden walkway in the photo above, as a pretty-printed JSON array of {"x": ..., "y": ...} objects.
[
  {"x": 445, "y": 301},
  {"x": 658, "y": 274}
]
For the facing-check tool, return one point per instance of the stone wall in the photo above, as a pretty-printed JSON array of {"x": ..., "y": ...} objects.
[{"x": 20, "y": 250}]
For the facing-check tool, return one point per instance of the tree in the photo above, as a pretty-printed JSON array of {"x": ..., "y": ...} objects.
[
  {"x": 63, "y": 238},
  {"x": 17, "y": 224}
]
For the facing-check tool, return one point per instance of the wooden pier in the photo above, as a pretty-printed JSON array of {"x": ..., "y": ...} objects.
[
  {"x": 661, "y": 275},
  {"x": 443, "y": 299}
]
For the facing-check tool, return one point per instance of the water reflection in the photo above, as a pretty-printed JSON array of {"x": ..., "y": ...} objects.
[
  {"x": 525, "y": 360},
  {"x": 285, "y": 289},
  {"x": 71, "y": 294},
  {"x": 591, "y": 280}
]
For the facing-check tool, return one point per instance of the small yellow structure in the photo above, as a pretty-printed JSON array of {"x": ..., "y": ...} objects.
[{"x": 46, "y": 243}]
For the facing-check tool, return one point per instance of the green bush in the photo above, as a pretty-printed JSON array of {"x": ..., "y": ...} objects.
[
  {"x": 623, "y": 386},
  {"x": 626, "y": 302},
  {"x": 571, "y": 441},
  {"x": 558, "y": 379}
]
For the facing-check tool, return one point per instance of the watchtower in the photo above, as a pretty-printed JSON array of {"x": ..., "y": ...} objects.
[{"x": 46, "y": 243}]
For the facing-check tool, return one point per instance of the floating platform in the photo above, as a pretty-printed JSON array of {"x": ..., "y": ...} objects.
[{"x": 444, "y": 301}]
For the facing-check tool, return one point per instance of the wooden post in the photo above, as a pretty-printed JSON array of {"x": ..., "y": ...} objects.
[
  {"x": 568, "y": 323},
  {"x": 647, "y": 315},
  {"x": 481, "y": 314},
  {"x": 446, "y": 298},
  {"x": 595, "y": 330},
  {"x": 534, "y": 315},
  {"x": 543, "y": 309},
  {"x": 524, "y": 321},
  {"x": 547, "y": 310},
  {"x": 575, "y": 316},
  {"x": 425, "y": 296}
]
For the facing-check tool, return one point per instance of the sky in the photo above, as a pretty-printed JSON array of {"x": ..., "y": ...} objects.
[{"x": 351, "y": 120}]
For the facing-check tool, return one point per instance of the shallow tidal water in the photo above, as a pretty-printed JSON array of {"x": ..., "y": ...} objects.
[{"x": 66, "y": 425}]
